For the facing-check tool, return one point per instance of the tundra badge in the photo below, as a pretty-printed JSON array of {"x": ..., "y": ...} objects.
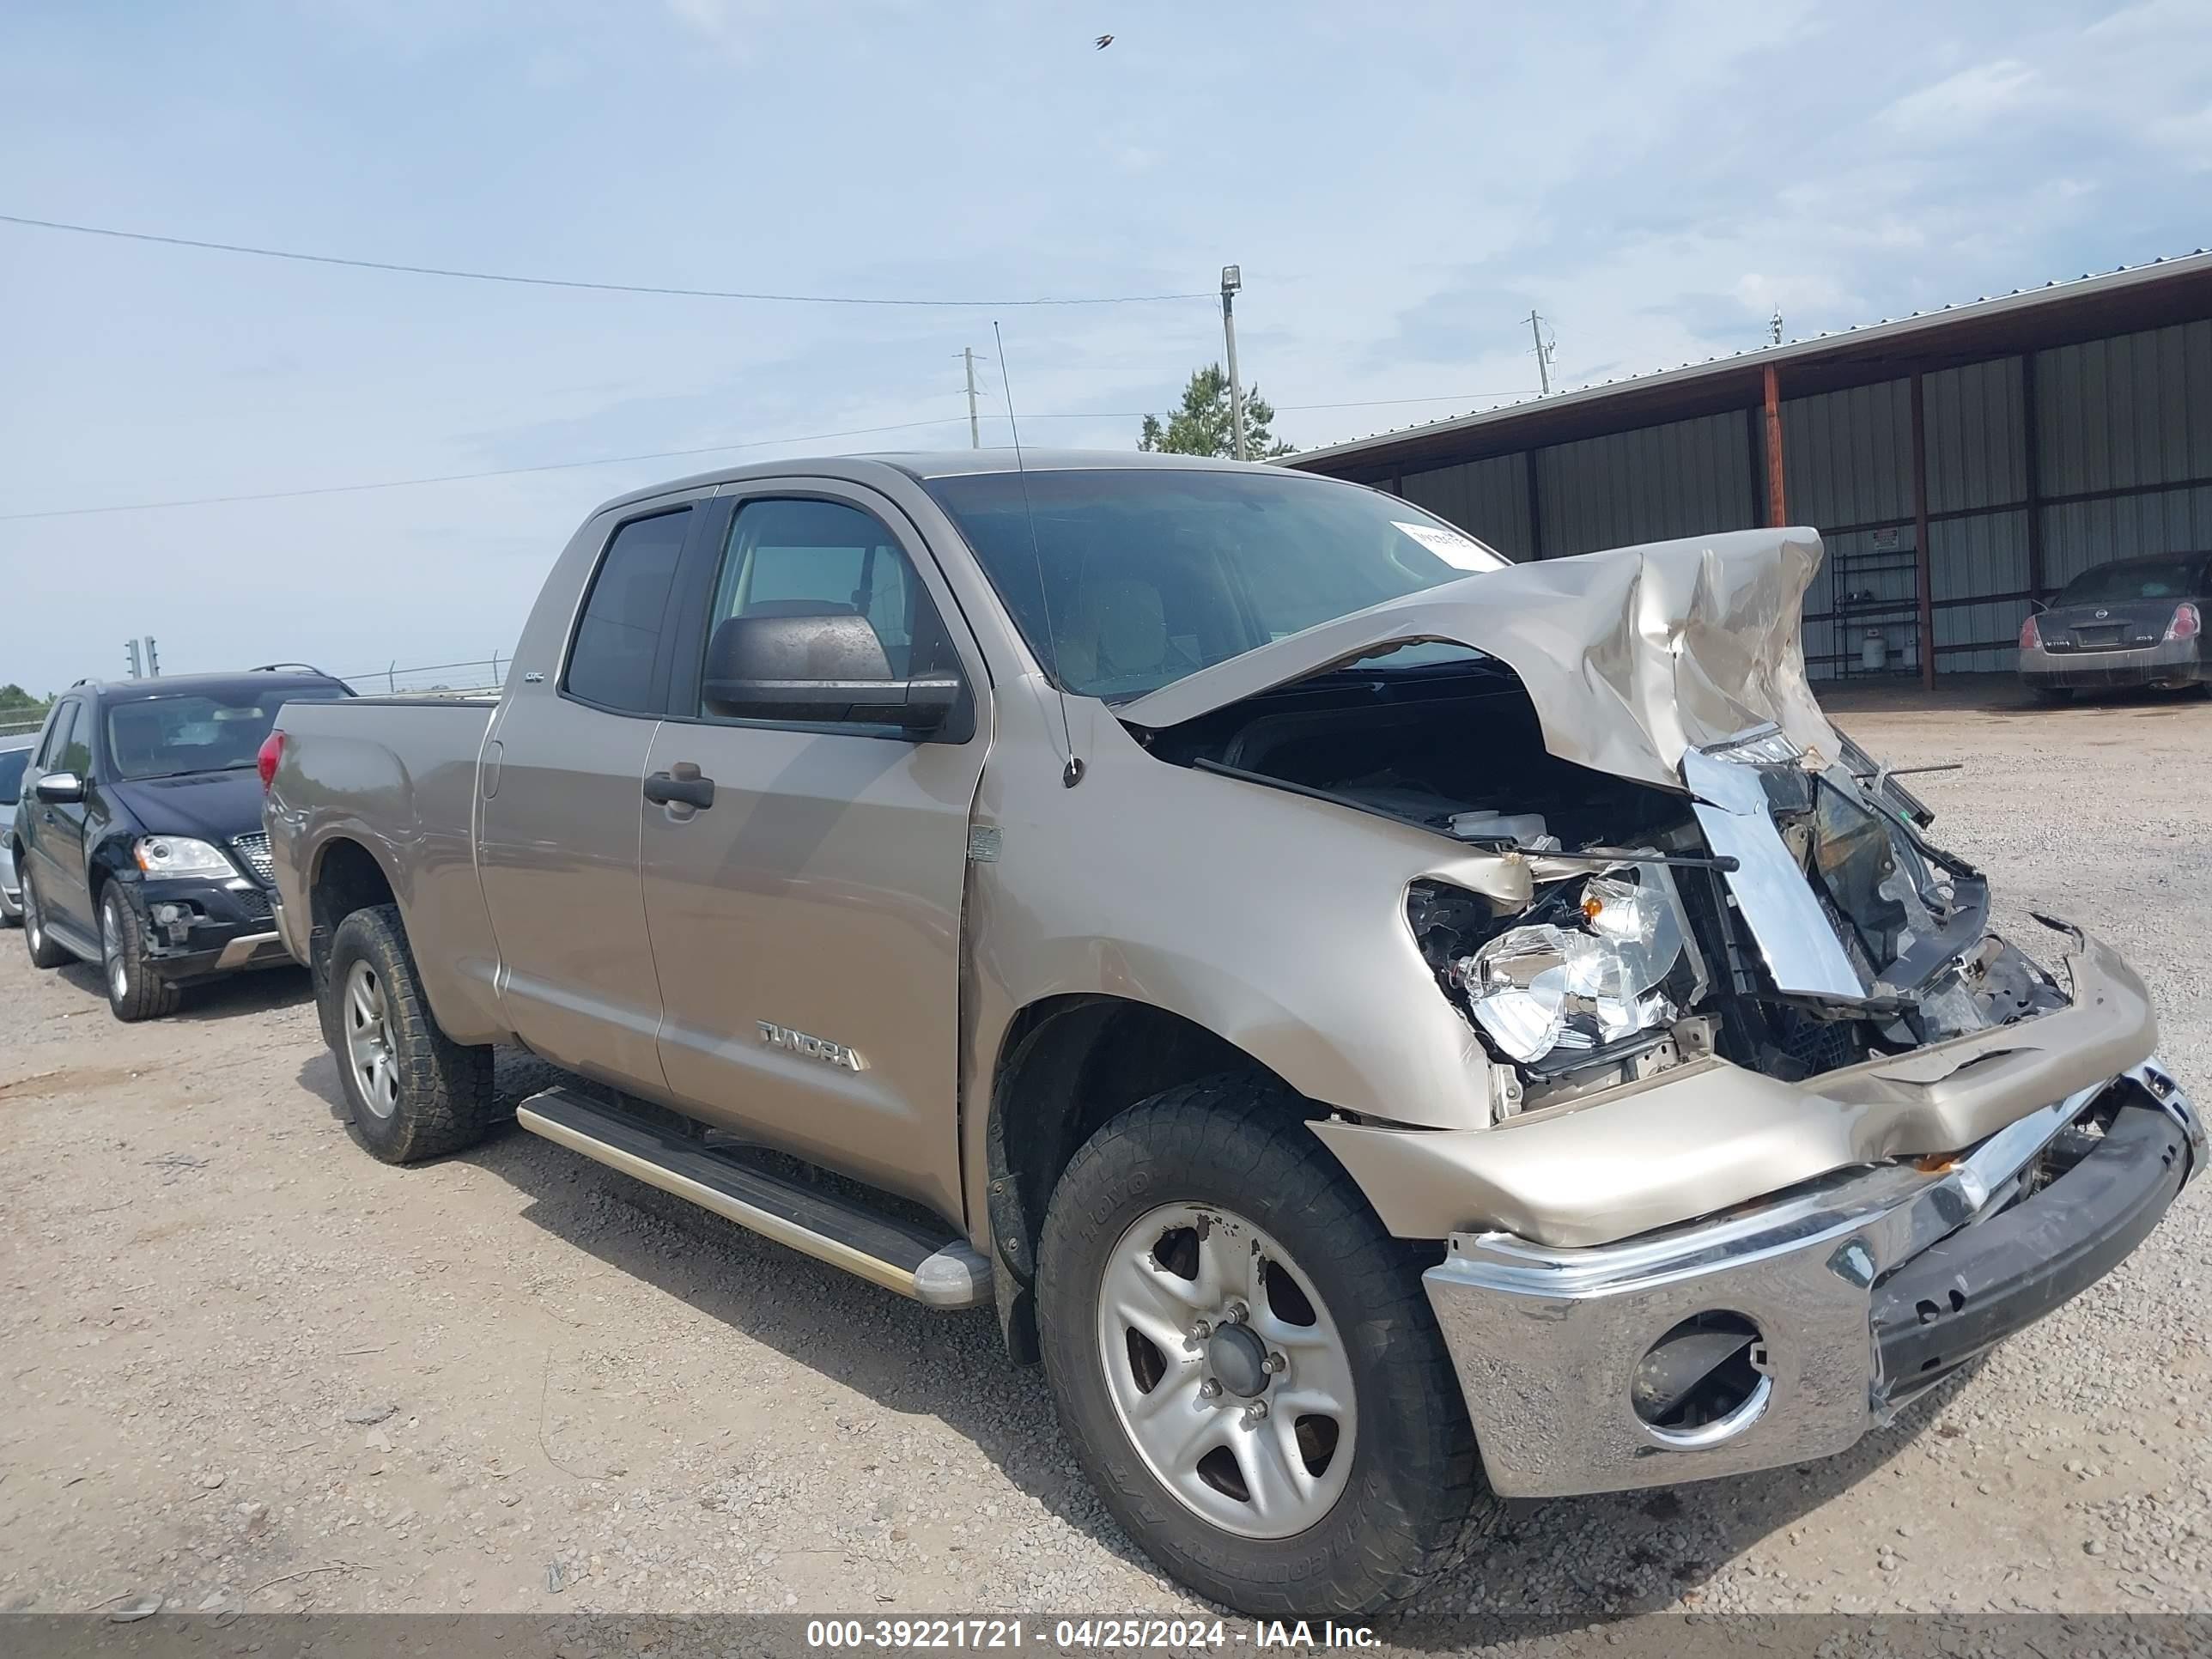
[{"x": 814, "y": 1047}]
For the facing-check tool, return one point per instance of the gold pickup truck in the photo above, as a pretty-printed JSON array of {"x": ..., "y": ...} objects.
[{"x": 1387, "y": 1027}]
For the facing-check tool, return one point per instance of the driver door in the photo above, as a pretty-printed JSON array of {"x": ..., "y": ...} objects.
[{"x": 806, "y": 924}]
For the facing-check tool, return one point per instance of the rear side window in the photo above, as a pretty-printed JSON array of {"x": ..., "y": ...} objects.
[
  {"x": 58, "y": 738},
  {"x": 11, "y": 774},
  {"x": 618, "y": 639}
]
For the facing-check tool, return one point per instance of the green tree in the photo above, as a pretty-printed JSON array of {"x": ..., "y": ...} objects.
[
  {"x": 16, "y": 700},
  {"x": 1203, "y": 426}
]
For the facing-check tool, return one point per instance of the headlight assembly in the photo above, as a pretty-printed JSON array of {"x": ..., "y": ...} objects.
[
  {"x": 1543, "y": 987},
  {"x": 179, "y": 855}
]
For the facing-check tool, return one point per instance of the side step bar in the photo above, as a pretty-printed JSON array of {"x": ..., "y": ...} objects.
[{"x": 934, "y": 1270}]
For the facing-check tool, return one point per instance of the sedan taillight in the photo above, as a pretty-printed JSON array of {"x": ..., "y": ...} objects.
[
  {"x": 265, "y": 759},
  {"x": 2031, "y": 637},
  {"x": 2186, "y": 623}
]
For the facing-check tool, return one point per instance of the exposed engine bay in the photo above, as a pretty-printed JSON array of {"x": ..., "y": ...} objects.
[{"x": 1785, "y": 911}]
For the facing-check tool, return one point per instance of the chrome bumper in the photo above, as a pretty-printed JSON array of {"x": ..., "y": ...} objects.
[{"x": 1548, "y": 1342}]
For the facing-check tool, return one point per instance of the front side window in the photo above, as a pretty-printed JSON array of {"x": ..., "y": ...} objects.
[
  {"x": 618, "y": 641},
  {"x": 1149, "y": 574},
  {"x": 811, "y": 558},
  {"x": 220, "y": 731}
]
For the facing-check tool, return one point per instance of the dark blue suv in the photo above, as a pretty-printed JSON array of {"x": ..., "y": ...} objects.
[{"x": 138, "y": 842}]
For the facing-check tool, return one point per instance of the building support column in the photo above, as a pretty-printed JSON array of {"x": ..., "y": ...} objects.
[
  {"x": 1921, "y": 557},
  {"x": 1778, "y": 505},
  {"x": 1536, "y": 504},
  {"x": 2032, "y": 471}
]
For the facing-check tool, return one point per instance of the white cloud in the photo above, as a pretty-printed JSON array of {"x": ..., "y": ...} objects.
[{"x": 1964, "y": 102}]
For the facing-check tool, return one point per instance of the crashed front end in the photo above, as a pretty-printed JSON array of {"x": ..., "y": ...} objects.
[
  {"x": 1779, "y": 1131},
  {"x": 1995, "y": 1137}
]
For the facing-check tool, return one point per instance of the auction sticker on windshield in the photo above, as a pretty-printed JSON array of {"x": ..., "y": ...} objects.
[{"x": 1461, "y": 552}]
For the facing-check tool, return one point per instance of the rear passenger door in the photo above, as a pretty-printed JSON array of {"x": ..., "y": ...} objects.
[{"x": 557, "y": 845}]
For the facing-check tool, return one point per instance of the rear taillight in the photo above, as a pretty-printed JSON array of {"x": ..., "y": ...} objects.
[
  {"x": 2186, "y": 623},
  {"x": 2031, "y": 637},
  {"x": 264, "y": 761}
]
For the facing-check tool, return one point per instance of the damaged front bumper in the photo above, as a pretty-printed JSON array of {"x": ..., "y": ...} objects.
[{"x": 1859, "y": 1289}]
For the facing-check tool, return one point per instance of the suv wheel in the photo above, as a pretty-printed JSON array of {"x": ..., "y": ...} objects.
[
  {"x": 46, "y": 951},
  {"x": 413, "y": 1092},
  {"x": 1247, "y": 1361},
  {"x": 135, "y": 991}
]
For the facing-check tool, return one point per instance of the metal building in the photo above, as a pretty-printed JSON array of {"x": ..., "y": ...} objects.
[{"x": 1958, "y": 463}]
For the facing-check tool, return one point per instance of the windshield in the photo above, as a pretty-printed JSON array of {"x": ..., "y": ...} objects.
[
  {"x": 11, "y": 774},
  {"x": 1152, "y": 574},
  {"x": 201, "y": 731},
  {"x": 2177, "y": 578}
]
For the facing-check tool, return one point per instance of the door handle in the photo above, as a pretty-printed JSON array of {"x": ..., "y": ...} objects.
[{"x": 681, "y": 784}]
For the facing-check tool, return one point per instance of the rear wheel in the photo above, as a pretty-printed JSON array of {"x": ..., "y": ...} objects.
[
  {"x": 46, "y": 951},
  {"x": 1247, "y": 1361},
  {"x": 135, "y": 992},
  {"x": 413, "y": 1092}
]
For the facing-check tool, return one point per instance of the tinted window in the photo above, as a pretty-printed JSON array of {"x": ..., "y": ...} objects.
[
  {"x": 57, "y": 737},
  {"x": 218, "y": 731},
  {"x": 77, "y": 748},
  {"x": 824, "y": 558},
  {"x": 12, "y": 762},
  {"x": 1149, "y": 574},
  {"x": 2179, "y": 578},
  {"x": 611, "y": 661}
]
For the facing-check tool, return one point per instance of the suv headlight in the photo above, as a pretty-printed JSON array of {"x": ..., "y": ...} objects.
[
  {"x": 179, "y": 855},
  {"x": 1539, "y": 987}
]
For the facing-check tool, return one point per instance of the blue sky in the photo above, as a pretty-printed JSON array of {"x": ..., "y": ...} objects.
[{"x": 1400, "y": 184}]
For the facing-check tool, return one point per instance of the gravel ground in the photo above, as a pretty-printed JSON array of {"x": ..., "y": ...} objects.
[{"x": 247, "y": 1367}]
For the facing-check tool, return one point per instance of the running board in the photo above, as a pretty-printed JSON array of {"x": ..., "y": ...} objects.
[{"x": 934, "y": 1270}]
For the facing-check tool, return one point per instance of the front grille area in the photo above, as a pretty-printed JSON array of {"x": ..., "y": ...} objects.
[
  {"x": 254, "y": 850},
  {"x": 253, "y": 906}
]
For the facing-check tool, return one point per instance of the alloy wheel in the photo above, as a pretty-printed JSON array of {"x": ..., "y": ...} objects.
[
  {"x": 368, "y": 1041},
  {"x": 111, "y": 956},
  {"x": 1227, "y": 1371}
]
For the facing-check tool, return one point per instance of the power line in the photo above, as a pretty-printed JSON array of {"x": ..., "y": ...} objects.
[
  {"x": 654, "y": 455},
  {"x": 563, "y": 282},
  {"x": 470, "y": 477}
]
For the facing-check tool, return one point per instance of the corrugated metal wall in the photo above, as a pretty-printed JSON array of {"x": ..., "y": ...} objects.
[
  {"x": 1680, "y": 479},
  {"x": 2126, "y": 422},
  {"x": 1487, "y": 499}
]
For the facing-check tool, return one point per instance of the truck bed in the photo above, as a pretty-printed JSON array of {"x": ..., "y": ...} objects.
[{"x": 392, "y": 779}]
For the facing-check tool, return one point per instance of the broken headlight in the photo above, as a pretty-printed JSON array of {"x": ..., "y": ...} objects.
[{"x": 1544, "y": 986}]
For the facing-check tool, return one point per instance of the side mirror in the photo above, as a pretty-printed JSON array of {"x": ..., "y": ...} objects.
[
  {"x": 827, "y": 668},
  {"x": 57, "y": 788}
]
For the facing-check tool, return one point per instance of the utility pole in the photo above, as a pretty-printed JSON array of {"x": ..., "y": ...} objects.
[
  {"x": 975, "y": 431},
  {"x": 1543, "y": 353},
  {"x": 131, "y": 654},
  {"x": 1232, "y": 278},
  {"x": 153, "y": 659},
  {"x": 1774, "y": 326}
]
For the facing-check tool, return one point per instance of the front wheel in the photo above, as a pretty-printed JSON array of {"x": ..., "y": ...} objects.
[
  {"x": 135, "y": 991},
  {"x": 1247, "y": 1361}
]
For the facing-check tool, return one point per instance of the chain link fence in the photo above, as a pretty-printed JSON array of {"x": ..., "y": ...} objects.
[{"x": 485, "y": 674}]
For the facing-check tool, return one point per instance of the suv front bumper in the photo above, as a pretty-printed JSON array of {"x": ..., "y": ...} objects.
[
  {"x": 195, "y": 927},
  {"x": 1865, "y": 1287}
]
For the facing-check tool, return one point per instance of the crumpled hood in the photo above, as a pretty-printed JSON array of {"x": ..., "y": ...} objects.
[{"x": 1630, "y": 656}]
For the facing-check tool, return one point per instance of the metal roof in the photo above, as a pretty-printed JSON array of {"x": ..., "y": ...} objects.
[{"x": 2129, "y": 297}]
